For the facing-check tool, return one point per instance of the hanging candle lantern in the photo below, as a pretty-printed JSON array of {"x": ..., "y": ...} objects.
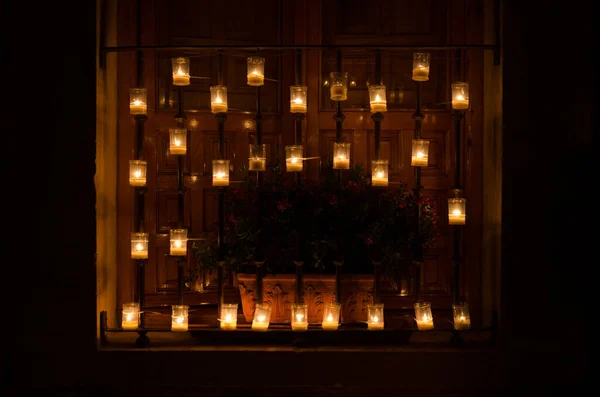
[
  {"x": 262, "y": 317},
  {"x": 178, "y": 240},
  {"x": 379, "y": 173},
  {"x": 293, "y": 158},
  {"x": 137, "y": 101},
  {"x": 341, "y": 155},
  {"x": 220, "y": 172},
  {"x": 218, "y": 99},
  {"x": 228, "y": 320},
  {"x": 298, "y": 98},
  {"x": 420, "y": 153},
  {"x": 460, "y": 95},
  {"x": 423, "y": 316},
  {"x": 130, "y": 316},
  {"x": 256, "y": 71},
  {"x": 331, "y": 316},
  {"x": 258, "y": 157},
  {"x": 421, "y": 66},
  {"x": 377, "y": 99},
  {"x": 181, "y": 71},
  {"x": 462, "y": 318},
  {"x": 179, "y": 318},
  {"x": 338, "y": 88},
  {"x": 299, "y": 317},
  {"x": 457, "y": 209},
  {"x": 139, "y": 245},
  {"x": 177, "y": 140},
  {"x": 375, "y": 316},
  {"x": 137, "y": 172}
]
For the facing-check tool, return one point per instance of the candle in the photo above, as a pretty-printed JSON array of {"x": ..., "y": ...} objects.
[
  {"x": 341, "y": 163},
  {"x": 299, "y": 322},
  {"x": 139, "y": 251},
  {"x": 459, "y": 102},
  {"x": 462, "y": 323},
  {"x": 378, "y": 105},
  {"x": 218, "y": 106},
  {"x": 403, "y": 288},
  {"x": 137, "y": 179},
  {"x": 419, "y": 159},
  {"x": 257, "y": 164},
  {"x": 181, "y": 78},
  {"x": 293, "y": 164},
  {"x": 298, "y": 106},
  {"x": 260, "y": 323},
  {"x": 229, "y": 323},
  {"x": 137, "y": 107},
  {"x": 130, "y": 316},
  {"x": 329, "y": 323},
  {"x": 456, "y": 218},
  {"x": 178, "y": 248},
  {"x": 374, "y": 324},
  {"x": 379, "y": 179},
  {"x": 425, "y": 323},
  {"x": 179, "y": 323},
  {"x": 338, "y": 92},
  {"x": 220, "y": 179},
  {"x": 177, "y": 147},
  {"x": 420, "y": 73},
  {"x": 255, "y": 78}
]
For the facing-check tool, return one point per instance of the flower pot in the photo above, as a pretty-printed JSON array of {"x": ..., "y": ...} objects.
[{"x": 319, "y": 290}]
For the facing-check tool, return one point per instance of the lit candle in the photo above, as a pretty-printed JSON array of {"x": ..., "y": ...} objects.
[
  {"x": 293, "y": 164},
  {"x": 177, "y": 147},
  {"x": 220, "y": 179},
  {"x": 462, "y": 323},
  {"x": 374, "y": 324},
  {"x": 255, "y": 78},
  {"x": 299, "y": 323},
  {"x": 137, "y": 173},
  {"x": 229, "y": 323},
  {"x": 218, "y": 106},
  {"x": 298, "y": 106},
  {"x": 419, "y": 159},
  {"x": 181, "y": 78},
  {"x": 378, "y": 105},
  {"x": 179, "y": 323},
  {"x": 379, "y": 179},
  {"x": 130, "y": 316},
  {"x": 260, "y": 323},
  {"x": 425, "y": 323},
  {"x": 257, "y": 164},
  {"x": 338, "y": 92},
  {"x": 139, "y": 251},
  {"x": 420, "y": 73},
  {"x": 137, "y": 107},
  {"x": 329, "y": 323},
  {"x": 341, "y": 162},
  {"x": 459, "y": 102},
  {"x": 456, "y": 217},
  {"x": 178, "y": 248}
]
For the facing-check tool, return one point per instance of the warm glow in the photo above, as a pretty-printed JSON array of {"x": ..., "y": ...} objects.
[
  {"x": 462, "y": 318},
  {"x": 330, "y": 318},
  {"x": 129, "y": 317},
  {"x": 298, "y": 101},
  {"x": 299, "y": 317},
  {"x": 137, "y": 174},
  {"x": 380, "y": 174},
  {"x": 425, "y": 317},
  {"x": 420, "y": 155},
  {"x": 254, "y": 72},
  {"x": 180, "y": 72},
  {"x": 218, "y": 99},
  {"x": 177, "y": 142},
  {"x": 456, "y": 212},
  {"x": 375, "y": 319},
  {"x": 341, "y": 157},
  {"x": 294, "y": 160},
  {"x": 228, "y": 318},
  {"x": 377, "y": 98},
  {"x": 177, "y": 243},
  {"x": 139, "y": 247},
  {"x": 459, "y": 97},
  {"x": 220, "y": 175},
  {"x": 137, "y": 102},
  {"x": 179, "y": 320},
  {"x": 260, "y": 319}
]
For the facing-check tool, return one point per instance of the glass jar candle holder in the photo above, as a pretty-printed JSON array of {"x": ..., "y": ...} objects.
[
  {"x": 341, "y": 156},
  {"x": 420, "y": 153},
  {"x": 139, "y": 245},
  {"x": 262, "y": 317},
  {"x": 229, "y": 313},
  {"x": 130, "y": 316},
  {"x": 299, "y": 317},
  {"x": 421, "y": 62},
  {"x": 256, "y": 71},
  {"x": 218, "y": 99},
  {"x": 298, "y": 99},
  {"x": 137, "y": 172},
  {"x": 258, "y": 157},
  {"x": 375, "y": 317},
  {"x": 379, "y": 173},
  {"x": 457, "y": 208},
  {"x": 460, "y": 95},
  {"x": 178, "y": 242},
  {"x": 338, "y": 87},
  {"x": 179, "y": 318},
  {"x": 181, "y": 71},
  {"x": 377, "y": 98},
  {"x": 423, "y": 316},
  {"x": 293, "y": 158},
  {"x": 462, "y": 318},
  {"x": 331, "y": 316},
  {"x": 220, "y": 171},
  {"x": 177, "y": 141},
  {"x": 137, "y": 101}
]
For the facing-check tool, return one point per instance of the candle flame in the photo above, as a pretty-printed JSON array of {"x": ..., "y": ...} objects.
[
  {"x": 294, "y": 160},
  {"x": 329, "y": 318},
  {"x": 380, "y": 174},
  {"x": 177, "y": 243},
  {"x": 261, "y": 319},
  {"x": 456, "y": 212},
  {"x": 299, "y": 317},
  {"x": 341, "y": 157},
  {"x": 137, "y": 102},
  {"x": 180, "y": 72},
  {"x": 377, "y": 98},
  {"x": 220, "y": 174},
  {"x": 425, "y": 317},
  {"x": 139, "y": 247},
  {"x": 462, "y": 318},
  {"x": 459, "y": 97},
  {"x": 228, "y": 318},
  {"x": 179, "y": 320},
  {"x": 137, "y": 173},
  {"x": 177, "y": 142},
  {"x": 375, "y": 319},
  {"x": 218, "y": 99},
  {"x": 256, "y": 73},
  {"x": 129, "y": 317},
  {"x": 298, "y": 101}
]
